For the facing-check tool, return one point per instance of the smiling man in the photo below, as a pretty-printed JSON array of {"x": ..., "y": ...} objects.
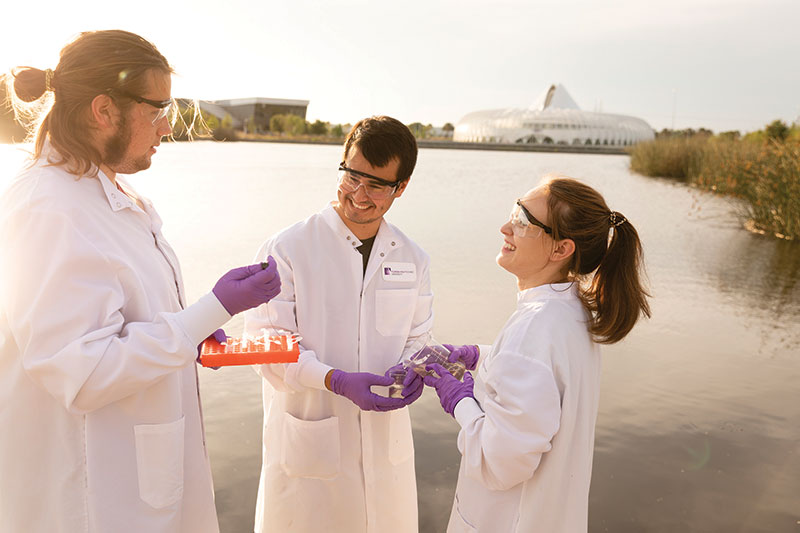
[{"x": 336, "y": 455}]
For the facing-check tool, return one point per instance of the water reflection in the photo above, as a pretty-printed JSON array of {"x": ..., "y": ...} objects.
[
  {"x": 763, "y": 270},
  {"x": 699, "y": 419}
]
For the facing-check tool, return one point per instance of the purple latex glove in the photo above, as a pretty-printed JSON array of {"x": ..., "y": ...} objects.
[
  {"x": 412, "y": 383},
  {"x": 247, "y": 287},
  {"x": 218, "y": 336},
  {"x": 355, "y": 386},
  {"x": 450, "y": 390},
  {"x": 468, "y": 354}
]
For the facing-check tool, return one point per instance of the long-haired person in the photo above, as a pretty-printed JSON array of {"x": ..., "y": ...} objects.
[
  {"x": 527, "y": 421},
  {"x": 99, "y": 407}
]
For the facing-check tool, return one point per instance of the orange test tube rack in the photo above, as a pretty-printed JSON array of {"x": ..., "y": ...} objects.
[{"x": 278, "y": 349}]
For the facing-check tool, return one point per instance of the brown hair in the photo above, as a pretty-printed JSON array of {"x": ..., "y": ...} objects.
[
  {"x": 614, "y": 295},
  {"x": 381, "y": 139},
  {"x": 92, "y": 64}
]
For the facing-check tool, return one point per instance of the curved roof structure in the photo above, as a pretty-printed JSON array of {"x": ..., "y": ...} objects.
[{"x": 553, "y": 118}]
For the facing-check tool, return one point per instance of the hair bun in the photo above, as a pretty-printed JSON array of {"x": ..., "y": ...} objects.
[{"x": 30, "y": 83}]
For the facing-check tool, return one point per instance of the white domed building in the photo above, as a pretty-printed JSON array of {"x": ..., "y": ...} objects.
[{"x": 554, "y": 118}]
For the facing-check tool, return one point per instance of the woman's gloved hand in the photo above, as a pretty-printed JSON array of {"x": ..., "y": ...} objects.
[
  {"x": 450, "y": 390},
  {"x": 218, "y": 336},
  {"x": 412, "y": 382},
  {"x": 467, "y": 354},
  {"x": 355, "y": 386},
  {"x": 246, "y": 287}
]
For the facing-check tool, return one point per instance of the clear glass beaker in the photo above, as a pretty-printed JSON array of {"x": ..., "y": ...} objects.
[{"x": 422, "y": 352}]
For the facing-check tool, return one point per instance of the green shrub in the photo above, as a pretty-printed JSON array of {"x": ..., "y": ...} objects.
[
  {"x": 764, "y": 173},
  {"x": 668, "y": 157},
  {"x": 224, "y": 133}
]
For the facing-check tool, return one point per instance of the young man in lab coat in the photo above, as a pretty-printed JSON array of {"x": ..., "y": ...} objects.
[
  {"x": 100, "y": 422},
  {"x": 337, "y": 457}
]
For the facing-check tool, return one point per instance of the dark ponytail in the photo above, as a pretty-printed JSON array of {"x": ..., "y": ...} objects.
[{"x": 615, "y": 295}]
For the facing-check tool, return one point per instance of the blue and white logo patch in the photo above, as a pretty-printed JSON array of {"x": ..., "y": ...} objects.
[{"x": 399, "y": 271}]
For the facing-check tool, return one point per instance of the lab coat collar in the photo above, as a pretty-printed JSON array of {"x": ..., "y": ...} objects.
[
  {"x": 551, "y": 291},
  {"x": 116, "y": 199},
  {"x": 386, "y": 233}
]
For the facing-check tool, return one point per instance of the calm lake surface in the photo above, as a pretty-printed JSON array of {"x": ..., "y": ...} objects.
[{"x": 699, "y": 424}]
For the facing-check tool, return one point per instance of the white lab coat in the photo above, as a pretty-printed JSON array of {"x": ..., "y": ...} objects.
[
  {"x": 327, "y": 465},
  {"x": 99, "y": 407},
  {"x": 528, "y": 437}
]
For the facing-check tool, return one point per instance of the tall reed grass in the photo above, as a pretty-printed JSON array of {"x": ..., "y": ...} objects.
[{"x": 765, "y": 175}]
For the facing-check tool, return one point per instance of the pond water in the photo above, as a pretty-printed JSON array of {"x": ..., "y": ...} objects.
[{"x": 699, "y": 423}]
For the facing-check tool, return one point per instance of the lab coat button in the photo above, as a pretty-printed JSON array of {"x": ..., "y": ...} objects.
[
  {"x": 382, "y": 254},
  {"x": 348, "y": 237},
  {"x": 392, "y": 243}
]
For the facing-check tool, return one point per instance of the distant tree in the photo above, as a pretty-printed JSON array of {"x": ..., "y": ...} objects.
[
  {"x": 547, "y": 140},
  {"x": 294, "y": 125},
  {"x": 337, "y": 131},
  {"x": 448, "y": 127},
  {"x": 758, "y": 136},
  {"x": 225, "y": 131},
  {"x": 318, "y": 128},
  {"x": 250, "y": 126},
  {"x": 777, "y": 130},
  {"x": 688, "y": 132},
  {"x": 417, "y": 129},
  {"x": 277, "y": 123},
  {"x": 224, "y": 134},
  {"x": 732, "y": 135},
  {"x": 212, "y": 122}
]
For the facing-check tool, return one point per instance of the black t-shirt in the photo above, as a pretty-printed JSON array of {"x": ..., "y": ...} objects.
[{"x": 364, "y": 250}]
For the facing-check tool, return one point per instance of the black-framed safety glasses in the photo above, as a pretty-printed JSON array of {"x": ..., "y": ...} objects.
[
  {"x": 521, "y": 224},
  {"x": 164, "y": 106}
]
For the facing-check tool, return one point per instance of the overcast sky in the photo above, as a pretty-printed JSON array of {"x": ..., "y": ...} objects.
[{"x": 725, "y": 65}]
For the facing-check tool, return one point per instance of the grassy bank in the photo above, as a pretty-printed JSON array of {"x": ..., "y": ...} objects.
[{"x": 765, "y": 174}]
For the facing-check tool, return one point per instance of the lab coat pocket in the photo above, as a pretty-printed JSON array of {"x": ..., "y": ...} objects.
[
  {"x": 159, "y": 462},
  {"x": 310, "y": 447},
  {"x": 394, "y": 310},
  {"x": 401, "y": 442}
]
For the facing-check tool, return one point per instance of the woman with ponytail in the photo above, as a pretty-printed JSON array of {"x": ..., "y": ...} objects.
[{"x": 527, "y": 420}]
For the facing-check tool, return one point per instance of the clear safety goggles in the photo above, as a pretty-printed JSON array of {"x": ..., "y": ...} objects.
[
  {"x": 376, "y": 188},
  {"x": 524, "y": 224}
]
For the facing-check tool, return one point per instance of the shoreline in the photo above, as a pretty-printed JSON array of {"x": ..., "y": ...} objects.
[
  {"x": 426, "y": 143},
  {"x": 452, "y": 145}
]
